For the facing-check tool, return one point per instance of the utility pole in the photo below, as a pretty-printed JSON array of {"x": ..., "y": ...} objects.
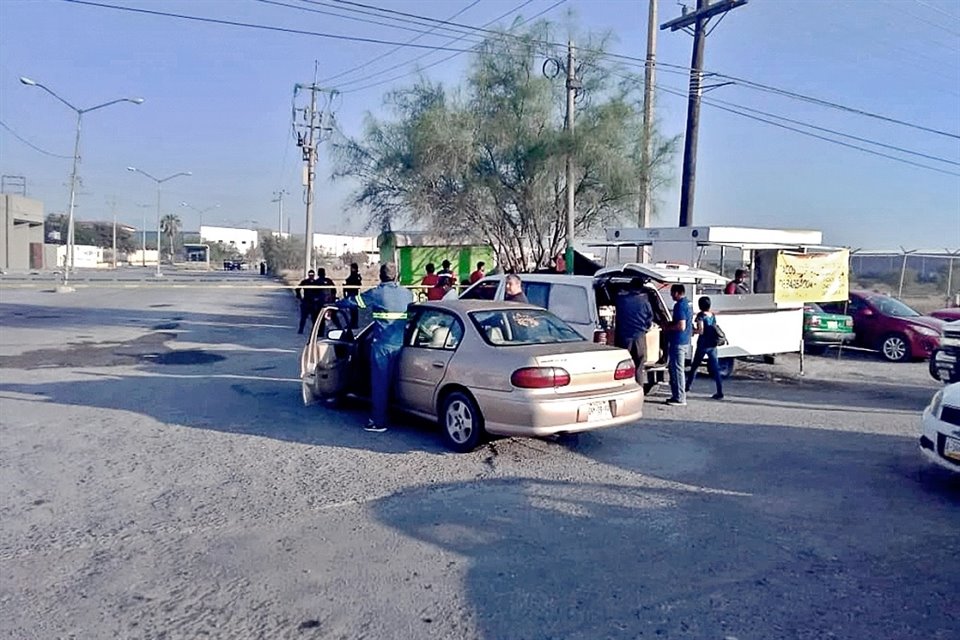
[
  {"x": 308, "y": 141},
  {"x": 699, "y": 19},
  {"x": 279, "y": 198},
  {"x": 573, "y": 86},
  {"x": 649, "y": 74}
]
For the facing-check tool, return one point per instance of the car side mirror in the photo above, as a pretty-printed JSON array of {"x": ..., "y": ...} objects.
[{"x": 336, "y": 334}]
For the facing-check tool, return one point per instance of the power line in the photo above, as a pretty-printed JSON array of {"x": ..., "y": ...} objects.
[
  {"x": 441, "y": 60},
  {"x": 31, "y": 145},
  {"x": 815, "y": 135},
  {"x": 366, "y": 64},
  {"x": 356, "y": 19},
  {"x": 263, "y": 27},
  {"x": 837, "y": 133}
]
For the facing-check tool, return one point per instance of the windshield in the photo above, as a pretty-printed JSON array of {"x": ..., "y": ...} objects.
[
  {"x": 511, "y": 327},
  {"x": 892, "y": 307}
]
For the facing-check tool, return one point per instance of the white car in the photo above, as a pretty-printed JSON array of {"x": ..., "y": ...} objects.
[{"x": 940, "y": 440}]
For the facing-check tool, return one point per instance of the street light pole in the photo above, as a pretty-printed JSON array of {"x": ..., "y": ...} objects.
[
  {"x": 159, "y": 182},
  {"x": 68, "y": 267},
  {"x": 200, "y": 213}
]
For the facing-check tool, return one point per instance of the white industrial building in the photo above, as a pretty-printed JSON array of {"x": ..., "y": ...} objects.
[
  {"x": 240, "y": 239},
  {"x": 336, "y": 245}
]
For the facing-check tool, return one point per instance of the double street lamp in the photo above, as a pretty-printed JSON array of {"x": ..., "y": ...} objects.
[
  {"x": 200, "y": 212},
  {"x": 68, "y": 267},
  {"x": 159, "y": 182}
]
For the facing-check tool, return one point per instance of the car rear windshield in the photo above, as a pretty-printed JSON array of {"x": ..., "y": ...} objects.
[{"x": 511, "y": 327}]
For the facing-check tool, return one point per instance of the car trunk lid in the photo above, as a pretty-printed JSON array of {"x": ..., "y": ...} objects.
[{"x": 591, "y": 367}]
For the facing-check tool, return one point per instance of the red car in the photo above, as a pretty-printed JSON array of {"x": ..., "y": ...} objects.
[
  {"x": 889, "y": 326},
  {"x": 948, "y": 315}
]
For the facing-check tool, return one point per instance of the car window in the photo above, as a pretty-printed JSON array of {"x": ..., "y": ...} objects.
[
  {"x": 856, "y": 305},
  {"x": 483, "y": 290},
  {"x": 569, "y": 302},
  {"x": 511, "y": 327},
  {"x": 435, "y": 329},
  {"x": 893, "y": 307},
  {"x": 538, "y": 293}
]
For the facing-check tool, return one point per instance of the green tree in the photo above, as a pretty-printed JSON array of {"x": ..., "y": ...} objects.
[
  {"x": 281, "y": 253},
  {"x": 486, "y": 161},
  {"x": 170, "y": 226}
]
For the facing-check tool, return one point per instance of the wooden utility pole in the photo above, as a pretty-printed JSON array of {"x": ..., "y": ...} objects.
[
  {"x": 649, "y": 74},
  {"x": 699, "y": 19},
  {"x": 573, "y": 85}
]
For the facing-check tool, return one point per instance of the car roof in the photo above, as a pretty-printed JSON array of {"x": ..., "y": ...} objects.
[
  {"x": 666, "y": 272},
  {"x": 543, "y": 277},
  {"x": 466, "y": 306}
]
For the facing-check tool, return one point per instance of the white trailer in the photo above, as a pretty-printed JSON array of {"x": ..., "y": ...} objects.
[{"x": 755, "y": 323}]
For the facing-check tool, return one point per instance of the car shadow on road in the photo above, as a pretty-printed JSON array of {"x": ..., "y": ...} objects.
[{"x": 721, "y": 530}]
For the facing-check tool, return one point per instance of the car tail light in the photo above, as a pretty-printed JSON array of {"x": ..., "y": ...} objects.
[
  {"x": 600, "y": 336},
  {"x": 813, "y": 320},
  {"x": 540, "y": 377},
  {"x": 625, "y": 370}
]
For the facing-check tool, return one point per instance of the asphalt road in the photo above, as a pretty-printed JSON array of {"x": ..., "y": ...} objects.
[{"x": 160, "y": 478}]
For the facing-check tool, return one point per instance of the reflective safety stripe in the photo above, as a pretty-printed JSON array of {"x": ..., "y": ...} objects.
[
  {"x": 387, "y": 315},
  {"x": 361, "y": 303}
]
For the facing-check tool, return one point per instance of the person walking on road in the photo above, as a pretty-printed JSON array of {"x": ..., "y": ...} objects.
[
  {"x": 388, "y": 302},
  {"x": 705, "y": 326},
  {"x": 634, "y": 319},
  {"x": 328, "y": 294},
  {"x": 308, "y": 298},
  {"x": 513, "y": 289},
  {"x": 679, "y": 333}
]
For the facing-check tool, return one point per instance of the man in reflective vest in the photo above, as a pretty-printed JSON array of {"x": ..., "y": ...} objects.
[{"x": 388, "y": 302}]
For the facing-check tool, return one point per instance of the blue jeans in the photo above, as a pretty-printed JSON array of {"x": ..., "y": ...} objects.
[
  {"x": 678, "y": 357},
  {"x": 713, "y": 364}
]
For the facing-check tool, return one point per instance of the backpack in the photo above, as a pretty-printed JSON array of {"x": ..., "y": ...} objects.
[{"x": 719, "y": 335}]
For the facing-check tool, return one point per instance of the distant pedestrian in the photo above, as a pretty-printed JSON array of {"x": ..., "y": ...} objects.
[
  {"x": 679, "y": 333},
  {"x": 308, "y": 297},
  {"x": 445, "y": 269},
  {"x": 513, "y": 289},
  {"x": 479, "y": 273},
  {"x": 328, "y": 294},
  {"x": 737, "y": 286},
  {"x": 705, "y": 326},
  {"x": 351, "y": 286},
  {"x": 447, "y": 287}
]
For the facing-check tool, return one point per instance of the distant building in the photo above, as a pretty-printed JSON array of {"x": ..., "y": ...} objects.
[
  {"x": 337, "y": 245},
  {"x": 21, "y": 232},
  {"x": 240, "y": 239}
]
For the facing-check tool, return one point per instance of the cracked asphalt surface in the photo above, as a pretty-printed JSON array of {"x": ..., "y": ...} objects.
[{"x": 160, "y": 478}]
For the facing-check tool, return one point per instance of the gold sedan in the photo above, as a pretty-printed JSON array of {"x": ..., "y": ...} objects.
[{"x": 479, "y": 367}]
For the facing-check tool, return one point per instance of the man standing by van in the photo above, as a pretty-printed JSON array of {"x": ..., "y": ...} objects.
[
  {"x": 634, "y": 318},
  {"x": 679, "y": 333}
]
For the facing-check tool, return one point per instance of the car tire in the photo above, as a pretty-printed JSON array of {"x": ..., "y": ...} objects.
[
  {"x": 895, "y": 348},
  {"x": 461, "y": 422},
  {"x": 727, "y": 365}
]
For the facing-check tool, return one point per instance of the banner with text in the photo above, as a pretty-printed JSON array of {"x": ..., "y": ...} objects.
[{"x": 812, "y": 277}]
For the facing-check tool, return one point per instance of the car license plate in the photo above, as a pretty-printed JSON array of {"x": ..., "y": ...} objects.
[
  {"x": 599, "y": 411},
  {"x": 951, "y": 448},
  {"x": 831, "y": 324}
]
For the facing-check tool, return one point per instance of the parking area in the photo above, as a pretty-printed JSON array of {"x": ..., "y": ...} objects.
[{"x": 160, "y": 477}]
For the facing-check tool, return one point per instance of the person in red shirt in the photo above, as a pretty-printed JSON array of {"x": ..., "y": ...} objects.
[
  {"x": 479, "y": 273},
  {"x": 737, "y": 286}
]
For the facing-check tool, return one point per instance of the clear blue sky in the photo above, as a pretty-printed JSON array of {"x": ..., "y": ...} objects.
[{"x": 218, "y": 104}]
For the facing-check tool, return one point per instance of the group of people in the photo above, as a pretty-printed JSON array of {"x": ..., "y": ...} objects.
[
  {"x": 635, "y": 317},
  {"x": 317, "y": 291},
  {"x": 442, "y": 285}
]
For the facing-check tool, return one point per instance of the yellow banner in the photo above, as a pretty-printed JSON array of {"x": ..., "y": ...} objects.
[{"x": 812, "y": 277}]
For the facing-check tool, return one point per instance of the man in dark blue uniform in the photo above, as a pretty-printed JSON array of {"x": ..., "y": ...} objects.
[
  {"x": 388, "y": 302},
  {"x": 634, "y": 318}
]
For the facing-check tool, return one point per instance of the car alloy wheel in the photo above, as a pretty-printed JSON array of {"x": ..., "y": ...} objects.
[
  {"x": 894, "y": 348},
  {"x": 462, "y": 422}
]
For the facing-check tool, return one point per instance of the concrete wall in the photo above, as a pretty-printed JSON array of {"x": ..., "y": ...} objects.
[
  {"x": 337, "y": 245},
  {"x": 21, "y": 224}
]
